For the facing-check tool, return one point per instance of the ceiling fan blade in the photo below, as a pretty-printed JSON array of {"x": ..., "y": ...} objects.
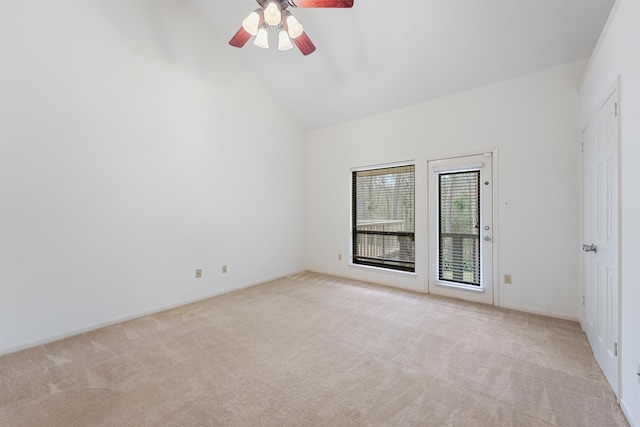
[
  {"x": 305, "y": 44},
  {"x": 321, "y": 3},
  {"x": 240, "y": 39}
]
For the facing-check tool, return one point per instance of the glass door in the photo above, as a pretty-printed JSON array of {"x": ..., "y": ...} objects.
[{"x": 460, "y": 215}]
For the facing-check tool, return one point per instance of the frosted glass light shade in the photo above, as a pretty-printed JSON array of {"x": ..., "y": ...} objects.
[
  {"x": 250, "y": 23},
  {"x": 262, "y": 39},
  {"x": 272, "y": 15},
  {"x": 295, "y": 27},
  {"x": 284, "y": 42}
]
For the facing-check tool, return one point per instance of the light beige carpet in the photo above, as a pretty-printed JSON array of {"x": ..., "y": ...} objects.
[{"x": 314, "y": 350}]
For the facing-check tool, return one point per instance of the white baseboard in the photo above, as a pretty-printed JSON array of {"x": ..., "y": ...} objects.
[
  {"x": 372, "y": 281},
  {"x": 510, "y": 307},
  {"x": 541, "y": 312},
  {"x": 627, "y": 413},
  {"x": 93, "y": 327}
]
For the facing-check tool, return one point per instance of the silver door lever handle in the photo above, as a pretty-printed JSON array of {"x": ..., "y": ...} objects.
[{"x": 590, "y": 248}]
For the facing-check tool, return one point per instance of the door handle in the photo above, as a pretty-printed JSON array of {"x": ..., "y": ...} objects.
[{"x": 590, "y": 248}]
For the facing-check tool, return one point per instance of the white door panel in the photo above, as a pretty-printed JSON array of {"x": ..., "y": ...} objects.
[{"x": 601, "y": 265}]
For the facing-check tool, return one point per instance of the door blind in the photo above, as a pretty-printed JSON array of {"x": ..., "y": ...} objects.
[{"x": 459, "y": 227}]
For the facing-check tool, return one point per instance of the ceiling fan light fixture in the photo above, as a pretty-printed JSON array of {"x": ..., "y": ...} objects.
[
  {"x": 272, "y": 15},
  {"x": 284, "y": 42},
  {"x": 251, "y": 23},
  {"x": 295, "y": 27},
  {"x": 262, "y": 39}
]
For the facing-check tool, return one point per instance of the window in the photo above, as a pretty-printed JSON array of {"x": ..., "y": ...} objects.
[
  {"x": 459, "y": 227},
  {"x": 383, "y": 217}
]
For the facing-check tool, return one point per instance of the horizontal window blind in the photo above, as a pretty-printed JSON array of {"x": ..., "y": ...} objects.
[
  {"x": 459, "y": 227},
  {"x": 383, "y": 217}
]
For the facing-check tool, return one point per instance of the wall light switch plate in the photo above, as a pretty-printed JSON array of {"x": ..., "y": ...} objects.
[{"x": 198, "y": 273}]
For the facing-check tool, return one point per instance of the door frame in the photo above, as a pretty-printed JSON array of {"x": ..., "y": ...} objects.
[{"x": 495, "y": 218}]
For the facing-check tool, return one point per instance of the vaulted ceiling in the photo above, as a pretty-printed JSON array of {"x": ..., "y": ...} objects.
[{"x": 381, "y": 55}]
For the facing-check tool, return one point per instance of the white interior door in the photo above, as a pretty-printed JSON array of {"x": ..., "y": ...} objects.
[
  {"x": 601, "y": 265},
  {"x": 460, "y": 212}
]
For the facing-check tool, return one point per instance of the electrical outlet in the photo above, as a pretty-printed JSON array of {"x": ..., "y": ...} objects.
[
  {"x": 339, "y": 257},
  {"x": 507, "y": 279},
  {"x": 198, "y": 273},
  {"x": 224, "y": 268}
]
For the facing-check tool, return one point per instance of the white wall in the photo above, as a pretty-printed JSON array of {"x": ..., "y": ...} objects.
[
  {"x": 531, "y": 120},
  {"x": 618, "y": 55},
  {"x": 133, "y": 150}
]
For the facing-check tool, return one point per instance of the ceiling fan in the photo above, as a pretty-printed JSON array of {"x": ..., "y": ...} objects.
[{"x": 274, "y": 14}]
